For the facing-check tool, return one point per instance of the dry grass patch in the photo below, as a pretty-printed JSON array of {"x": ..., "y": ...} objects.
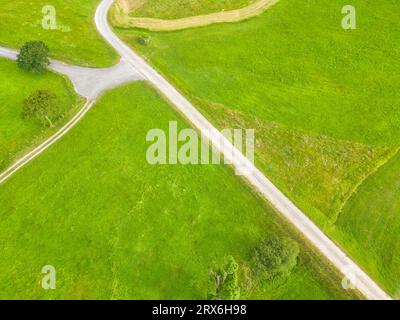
[{"x": 121, "y": 19}]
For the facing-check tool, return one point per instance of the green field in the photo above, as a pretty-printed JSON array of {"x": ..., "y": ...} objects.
[
  {"x": 294, "y": 65},
  {"x": 114, "y": 226},
  {"x": 21, "y": 21},
  {"x": 323, "y": 100},
  {"x": 175, "y": 9},
  {"x": 371, "y": 222},
  {"x": 16, "y": 134},
  {"x": 320, "y": 173}
]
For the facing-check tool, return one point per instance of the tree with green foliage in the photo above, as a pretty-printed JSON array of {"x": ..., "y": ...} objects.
[
  {"x": 33, "y": 57},
  {"x": 224, "y": 280},
  {"x": 41, "y": 105},
  {"x": 275, "y": 256}
]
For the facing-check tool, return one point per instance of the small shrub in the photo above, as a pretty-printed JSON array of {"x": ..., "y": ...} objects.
[
  {"x": 33, "y": 57},
  {"x": 41, "y": 105},
  {"x": 275, "y": 256},
  {"x": 224, "y": 280}
]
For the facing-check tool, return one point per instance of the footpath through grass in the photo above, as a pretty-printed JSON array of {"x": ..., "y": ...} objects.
[
  {"x": 114, "y": 226},
  {"x": 323, "y": 100},
  {"x": 75, "y": 40},
  {"x": 16, "y": 134}
]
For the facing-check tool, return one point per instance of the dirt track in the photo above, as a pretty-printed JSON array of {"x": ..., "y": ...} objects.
[
  {"x": 129, "y": 5},
  {"x": 121, "y": 19}
]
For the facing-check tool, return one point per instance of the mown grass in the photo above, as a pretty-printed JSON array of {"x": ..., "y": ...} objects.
[
  {"x": 325, "y": 99},
  {"x": 16, "y": 134},
  {"x": 21, "y": 21},
  {"x": 175, "y": 9},
  {"x": 114, "y": 226}
]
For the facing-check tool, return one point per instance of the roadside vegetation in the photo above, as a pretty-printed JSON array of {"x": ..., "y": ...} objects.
[
  {"x": 73, "y": 38},
  {"x": 275, "y": 257},
  {"x": 115, "y": 226},
  {"x": 324, "y": 102},
  {"x": 272, "y": 258},
  {"x": 18, "y": 132}
]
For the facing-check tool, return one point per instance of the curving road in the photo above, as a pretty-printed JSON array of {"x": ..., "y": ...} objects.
[
  {"x": 242, "y": 165},
  {"x": 88, "y": 82}
]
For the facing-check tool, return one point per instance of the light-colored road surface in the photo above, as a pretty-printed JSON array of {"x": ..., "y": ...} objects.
[
  {"x": 255, "y": 177},
  {"x": 91, "y": 82},
  {"x": 88, "y": 82}
]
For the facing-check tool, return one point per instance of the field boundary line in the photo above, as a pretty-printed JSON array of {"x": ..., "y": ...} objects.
[{"x": 354, "y": 190}]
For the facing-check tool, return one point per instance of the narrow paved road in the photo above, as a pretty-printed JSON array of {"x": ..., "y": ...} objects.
[
  {"x": 88, "y": 82},
  {"x": 255, "y": 177}
]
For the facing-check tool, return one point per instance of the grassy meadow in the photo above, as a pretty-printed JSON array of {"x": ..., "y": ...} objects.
[
  {"x": 115, "y": 226},
  {"x": 323, "y": 100},
  {"x": 293, "y": 65},
  {"x": 324, "y": 104},
  {"x": 17, "y": 134},
  {"x": 75, "y": 40}
]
